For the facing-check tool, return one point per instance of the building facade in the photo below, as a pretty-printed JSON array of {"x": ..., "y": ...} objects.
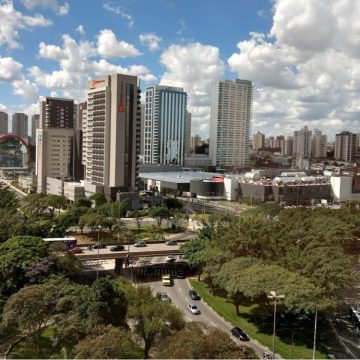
[
  {"x": 4, "y": 123},
  {"x": 34, "y": 125},
  {"x": 187, "y": 133},
  {"x": 113, "y": 133},
  {"x": 302, "y": 143},
  {"x": 20, "y": 125},
  {"x": 258, "y": 141},
  {"x": 58, "y": 143},
  {"x": 230, "y": 123},
  {"x": 165, "y": 118},
  {"x": 319, "y": 143},
  {"x": 345, "y": 146}
]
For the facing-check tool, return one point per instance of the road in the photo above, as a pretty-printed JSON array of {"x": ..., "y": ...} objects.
[{"x": 180, "y": 298}]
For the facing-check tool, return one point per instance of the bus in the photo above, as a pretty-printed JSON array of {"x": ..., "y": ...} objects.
[{"x": 70, "y": 242}]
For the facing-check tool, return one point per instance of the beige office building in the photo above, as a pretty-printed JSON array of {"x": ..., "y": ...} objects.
[
  {"x": 319, "y": 142},
  {"x": 112, "y": 133},
  {"x": 54, "y": 155},
  {"x": 258, "y": 141}
]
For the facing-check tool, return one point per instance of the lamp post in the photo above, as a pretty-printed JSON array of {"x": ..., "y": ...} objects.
[
  {"x": 98, "y": 250},
  {"x": 315, "y": 327},
  {"x": 275, "y": 297}
]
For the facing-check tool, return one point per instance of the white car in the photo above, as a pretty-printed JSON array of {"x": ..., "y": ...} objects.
[
  {"x": 169, "y": 258},
  {"x": 194, "y": 309}
]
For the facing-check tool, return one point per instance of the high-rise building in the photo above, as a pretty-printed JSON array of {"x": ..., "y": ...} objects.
[
  {"x": 195, "y": 142},
  {"x": 113, "y": 133},
  {"x": 288, "y": 146},
  {"x": 319, "y": 142},
  {"x": 142, "y": 129},
  {"x": 4, "y": 123},
  {"x": 187, "y": 133},
  {"x": 165, "y": 117},
  {"x": 302, "y": 143},
  {"x": 20, "y": 125},
  {"x": 258, "y": 141},
  {"x": 58, "y": 150},
  {"x": 34, "y": 125},
  {"x": 230, "y": 123},
  {"x": 345, "y": 146},
  {"x": 56, "y": 113}
]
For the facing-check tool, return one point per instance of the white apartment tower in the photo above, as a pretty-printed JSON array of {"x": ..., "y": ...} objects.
[
  {"x": 4, "y": 123},
  {"x": 112, "y": 129},
  {"x": 345, "y": 146},
  {"x": 302, "y": 143},
  {"x": 165, "y": 118},
  {"x": 230, "y": 123},
  {"x": 319, "y": 142}
]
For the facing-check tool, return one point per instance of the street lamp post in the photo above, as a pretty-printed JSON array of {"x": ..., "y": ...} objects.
[
  {"x": 315, "y": 328},
  {"x": 274, "y": 297},
  {"x": 98, "y": 250}
]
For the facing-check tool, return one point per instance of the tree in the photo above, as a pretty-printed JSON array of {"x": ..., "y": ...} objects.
[
  {"x": 32, "y": 307},
  {"x": 199, "y": 341},
  {"x": 137, "y": 217},
  {"x": 83, "y": 202},
  {"x": 8, "y": 200},
  {"x": 159, "y": 213},
  {"x": 99, "y": 199},
  {"x": 191, "y": 251},
  {"x": 173, "y": 204},
  {"x": 153, "y": 318},
  {"x": 34, "y": 205},
  {"x": 55, "y": 202},
  {"x": 15, "y": 255},
  {"x": 108, "y": 342}
]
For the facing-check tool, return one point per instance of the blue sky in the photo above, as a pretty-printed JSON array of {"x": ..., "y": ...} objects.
[{"x": 301, "y": 55}]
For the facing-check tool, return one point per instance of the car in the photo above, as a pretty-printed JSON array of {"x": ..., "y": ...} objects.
[
  {"x": 194, "y": 309},
  {"x": 193, "y": 295},
  {"x": 239, "y": 334},
  {"x": 169, "y": 258},
  {"x": 166, "y": 280},
  {"x": 98, "y": 246},
  {"x": 117, "y": 248},
  {"x": 140, "y": 243},
  {"x": 76, "y": 250},
  {"x": 180, "y": 274},
  {"x": 171, "y": 242},
  {"x": 165, "y": 297}
]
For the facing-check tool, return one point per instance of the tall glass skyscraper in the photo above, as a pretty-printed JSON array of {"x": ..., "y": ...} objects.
[{"x": 165, "y": 121}]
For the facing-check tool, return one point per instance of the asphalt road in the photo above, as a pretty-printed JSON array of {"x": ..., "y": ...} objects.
[{"x": 179, "y": 294}]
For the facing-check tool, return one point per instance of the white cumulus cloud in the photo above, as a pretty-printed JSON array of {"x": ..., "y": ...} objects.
[
  {"x": 11, "y": 21},
  {"x": 10, "y": 69},
  {"x": 306, "y": 70},
  {"x": 152, "y": 41},
  {"x": 193, "y": 67},
  {"x": 52, "y": 4},
  {"x": 109, "y": 46},
  {"x": 119, "y": 11}
]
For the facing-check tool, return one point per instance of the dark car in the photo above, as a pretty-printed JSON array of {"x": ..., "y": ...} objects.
[
  {"x": 180, "y": 274},
  {"x": 76, "y": 250},
  {"x": 240, "y": 334},
  {"x": 117, "y": 248},
  {"x": 98, "y": 246},
  {"x": 193, "y": 295}
]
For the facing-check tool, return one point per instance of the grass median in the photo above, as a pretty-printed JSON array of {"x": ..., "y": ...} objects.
[{"x": 292, "y": 342}]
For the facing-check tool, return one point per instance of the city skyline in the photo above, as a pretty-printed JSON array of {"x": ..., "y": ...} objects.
[{"x": 300, "y": 56}]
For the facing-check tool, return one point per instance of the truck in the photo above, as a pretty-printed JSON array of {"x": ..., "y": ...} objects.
[{"x": 166, "y": 280}]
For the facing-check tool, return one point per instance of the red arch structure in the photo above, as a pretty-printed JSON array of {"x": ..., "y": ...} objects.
[{"x": 12, "y": 136}]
